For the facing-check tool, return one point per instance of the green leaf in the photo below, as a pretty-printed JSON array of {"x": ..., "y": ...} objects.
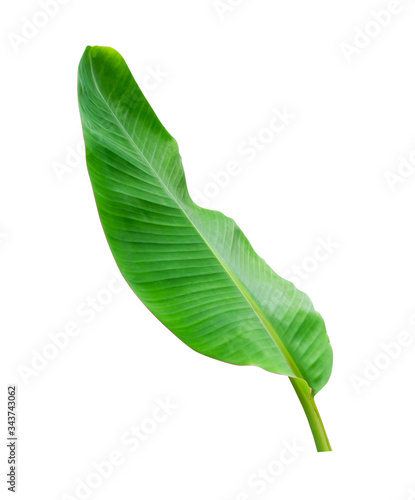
[{"x": 193, "y": 268}]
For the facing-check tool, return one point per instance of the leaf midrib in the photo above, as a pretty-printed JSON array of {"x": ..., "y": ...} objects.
[{"x": 256, "y": 309}]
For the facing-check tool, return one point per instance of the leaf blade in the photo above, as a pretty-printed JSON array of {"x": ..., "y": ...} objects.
[{"x": 192, "y": 267}]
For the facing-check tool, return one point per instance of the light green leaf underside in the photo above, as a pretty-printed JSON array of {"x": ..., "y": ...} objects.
[{"x": 193, "y": 268}]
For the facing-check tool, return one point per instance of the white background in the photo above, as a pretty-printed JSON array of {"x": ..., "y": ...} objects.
[{"x": 322, "y": 177}]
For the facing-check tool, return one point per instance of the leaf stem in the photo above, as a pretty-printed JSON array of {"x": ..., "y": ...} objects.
[{"x": 313, "y": 416}]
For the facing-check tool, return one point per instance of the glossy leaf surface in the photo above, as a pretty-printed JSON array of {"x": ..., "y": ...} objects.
[{"x": 193, "y": 268}]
